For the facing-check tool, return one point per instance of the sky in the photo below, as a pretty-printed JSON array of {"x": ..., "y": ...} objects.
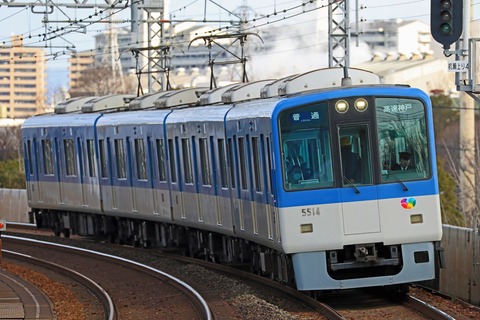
[{"x": 28, "y": 22}]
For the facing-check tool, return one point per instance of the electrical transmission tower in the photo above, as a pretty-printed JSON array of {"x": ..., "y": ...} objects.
[{"x": 339, "y": 34}]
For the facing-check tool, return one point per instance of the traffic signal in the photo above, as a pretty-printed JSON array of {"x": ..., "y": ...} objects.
[{"x": 446, "y": 21}]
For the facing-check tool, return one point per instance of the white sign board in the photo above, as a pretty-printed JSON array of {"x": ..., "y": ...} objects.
[{"x": 458, "y": 66}]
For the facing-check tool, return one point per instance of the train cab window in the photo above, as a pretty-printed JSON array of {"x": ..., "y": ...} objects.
[
  {"x": 120, "y": 157},
  {"x": 47, "y": 152},
  {"x": 141, "y": 159},
  {"x": 355, "y": 153},
  {"x": 402, "y": 139},
  {"x": 306, "y": 150},
  {"x": 70, "y": 159}
]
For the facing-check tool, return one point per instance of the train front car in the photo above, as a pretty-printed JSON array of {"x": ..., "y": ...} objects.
[{"x": 357, "y": 186}]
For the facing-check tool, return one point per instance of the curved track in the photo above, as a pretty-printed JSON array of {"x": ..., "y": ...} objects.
[
  {"x": 99, "y": 293},
  {"x": 134, "y": 287}
]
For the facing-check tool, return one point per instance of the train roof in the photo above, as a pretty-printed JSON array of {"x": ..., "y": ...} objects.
[
  {"x": 199, "y": 114},
  {"x": 137, "y": 117},
  {"x": 316, "y": 80},
  {"x": 58, "y": 120}
]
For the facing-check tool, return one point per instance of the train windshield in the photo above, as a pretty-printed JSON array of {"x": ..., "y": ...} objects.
[
  {"x": 402, "y": 139},
  {"x": 306, "y": 151}
]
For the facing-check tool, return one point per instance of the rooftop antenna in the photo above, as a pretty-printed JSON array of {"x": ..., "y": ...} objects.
[{"x": 346, "y": 80}]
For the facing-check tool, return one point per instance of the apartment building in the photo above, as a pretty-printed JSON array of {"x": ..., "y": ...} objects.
[
  {"x": 22, "y": 80},
  {"x": 79, "y": 63}
]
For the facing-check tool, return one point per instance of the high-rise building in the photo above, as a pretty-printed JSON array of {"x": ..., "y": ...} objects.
[
  {"x": 22, "y": 80},
  {"x": 79, "y": 63}
]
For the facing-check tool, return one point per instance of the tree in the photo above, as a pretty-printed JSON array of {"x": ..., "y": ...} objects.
[
  {"x": 101, "y": 81},
  {"x": 11, "y": 164},
  {"x": 448, "y": 197},
  {"x": 11, "y": 175}
]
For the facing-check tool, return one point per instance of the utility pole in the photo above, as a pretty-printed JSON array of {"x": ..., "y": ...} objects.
[
  {"x": 467, "y": 129},
  {"x": 449, "y": 20},
  {"x": 340, "y": 33}
]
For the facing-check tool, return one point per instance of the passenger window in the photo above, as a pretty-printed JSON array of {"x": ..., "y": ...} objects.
[
  {"x": 70, "y": 159},
  {"x": 121, "y": 161},
  {"x": 204, "y": 161},
  {"x": 187, "y": 161},
  {"x": 90, "y": 158},
  {"x": 47, "y": 156},
  {"x": 161, "y": 160},
  {"x": 103, "y": 159},
  {"x": 141, "y": 159}
]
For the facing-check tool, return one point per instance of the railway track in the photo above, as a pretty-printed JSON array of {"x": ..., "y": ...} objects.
[
  {"x": 133, "y": 287},
  {"x": 411, "y": 307},
  {"x": 99, "y": 293}
]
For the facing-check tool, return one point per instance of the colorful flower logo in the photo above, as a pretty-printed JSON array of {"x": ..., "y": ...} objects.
[{"x": 408, "y": 203}]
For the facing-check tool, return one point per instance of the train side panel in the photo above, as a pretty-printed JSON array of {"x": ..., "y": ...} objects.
[
  {"x": 249, "y": 127},
  {"x": 197, "y": 156}
]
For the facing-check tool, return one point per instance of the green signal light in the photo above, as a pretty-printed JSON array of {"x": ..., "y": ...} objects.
[{"x": 446, "y": 28}]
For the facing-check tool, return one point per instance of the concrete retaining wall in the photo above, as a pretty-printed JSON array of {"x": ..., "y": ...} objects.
[
  {"x": 461, "y": 276},
  {"x": 14, "y": 206}
]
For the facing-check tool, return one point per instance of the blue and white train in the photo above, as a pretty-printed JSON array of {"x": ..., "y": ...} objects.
[{"x": 251, "y": 173}]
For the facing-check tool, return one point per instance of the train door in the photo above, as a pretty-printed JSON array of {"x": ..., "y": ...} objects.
[
  {"x": 236, "y": 204},
  {"x": 272, "y": 210},
  {"x": 189, "y": 181},
  {"x": 81, "y": 174},
  {"x": 175, "y": 177},
  {"x": 261, "y": 213},
  {"x": 31, "y": 168},
  {"x": 59, "y": 170},
  {"x": 357, "y": 180}
]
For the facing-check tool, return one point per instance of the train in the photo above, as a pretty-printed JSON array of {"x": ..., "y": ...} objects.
[{"x": 251, "y": 173}]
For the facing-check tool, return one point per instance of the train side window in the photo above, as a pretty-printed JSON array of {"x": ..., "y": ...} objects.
[
  {"x": 47, "y": 152},
  {"x": 91, "y": 157},
  {"x": 242, "y": 163},
  {"x": 120, "y": 157},
  {"x": 187, "y": 161},
  {"x": 223, "y": 163},
  {"x": 103, "y": 159},
  {"x": 141, "y": 159},
  {"x": 257, "y": 174},
  {"x": 172, "y": 155},
  {"x": 161, "y": 160},
  {"x": 232, "y": 160},
  {"x": 205, "y": 161},
  {"x": 29, "y": 157},
  {"x": 269, "y": 161},
  {"x": 70, "y": 160}
]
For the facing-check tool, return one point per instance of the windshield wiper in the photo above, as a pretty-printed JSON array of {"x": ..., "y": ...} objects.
[
  {"x": 396, "y": 177},
  {"x": 346, "y": 181}
]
